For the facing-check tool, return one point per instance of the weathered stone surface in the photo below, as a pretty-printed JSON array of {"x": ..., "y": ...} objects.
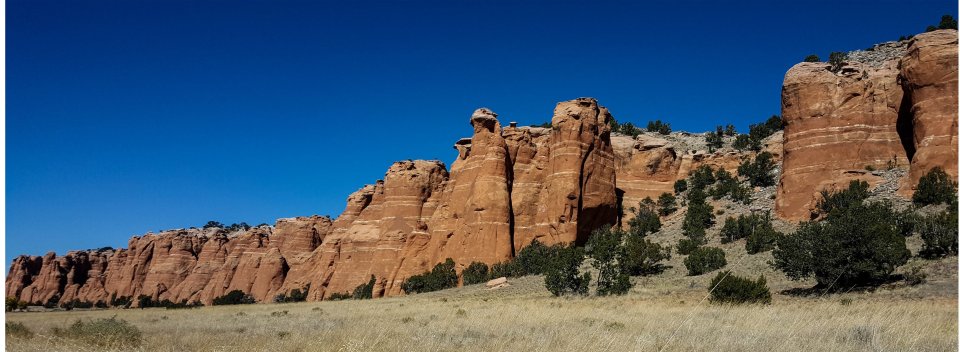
[
  {"x": 837, "y": 124},
  {"x": 901, "y": 112},
  {"x": 929, "y": 78},
  {"x": 579, "y": 189}
]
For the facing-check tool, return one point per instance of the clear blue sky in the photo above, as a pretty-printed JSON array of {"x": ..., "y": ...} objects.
[{"x": 131, "y": 116}]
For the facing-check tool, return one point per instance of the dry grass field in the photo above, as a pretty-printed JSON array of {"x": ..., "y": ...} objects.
[{"x": 661, "y": 314}]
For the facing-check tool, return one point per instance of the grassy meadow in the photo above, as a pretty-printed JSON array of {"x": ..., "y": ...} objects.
[{"x": 667, "y": 313}]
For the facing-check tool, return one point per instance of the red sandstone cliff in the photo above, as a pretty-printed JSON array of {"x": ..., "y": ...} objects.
[
  {"x": 511, "y": 185},
  {"x": 901, "y": 111}
]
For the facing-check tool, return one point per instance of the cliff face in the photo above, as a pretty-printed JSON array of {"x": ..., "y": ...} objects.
[
  {"x": 896, "y": 110},
  {"x": 507, "y": 187},
  {"x": 510, "y": 185}
]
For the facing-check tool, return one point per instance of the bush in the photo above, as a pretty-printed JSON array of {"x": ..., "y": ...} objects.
[
  {"x": 296, "y": 295},
  {"x": 212, "y": 224},
  {"x": 642, "y": 257},
  {"x": 811, "y": 58},
  {"x": 702, "y": 177},
  {"x": 728, "y": 185},
  {"x": 563, "y": 274},
  {"x": 659, "y": 127},
  {"x": 757, "y": 229},
  {"x": 714, "y": 139},
  {"x": 742, "y": 142},
  {"x": 476, "y": 273},
  {"x": 729, "y": 288},
  {"x": 687, "y": 245},
  {"x": 763, "y": 238},
  {"x": 680, "y": 186},
  {"x": 11, "y": 303},
  {"x": 857, "y": 244},
  {"x": 18, "y": 331},
  {"x": 339, "y": 296},
  {"x": 730, "y": 130},
  {"x": 365, "y": 291},
  {"x": 947, "y": 22},
  {"x": 667, "y": 204},
  {"x": 854, "y": 195},
  {"x": 234, "y": 297},
  {"x": 122, "y": 301},
  {"x": 605, "y": 246},
  {"x": 935, "y": 187},
  {"x": 627, "y": 129},
  {"x": 699, "y": 215},
  {"x": 105, "y": 333},
  {"x": 535, "y": 258},
  {"x": 758, "y": 172},
  {"x": 939, "y": 234},
  {"x": 443, "y": 276},
  {"x": 645, "y": 221},
  {"x": 837, "y": 61},
  {"x": 704, "y": 259}
]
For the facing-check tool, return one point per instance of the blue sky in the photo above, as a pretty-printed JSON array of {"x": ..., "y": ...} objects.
[{"x": 131, "y": 116}]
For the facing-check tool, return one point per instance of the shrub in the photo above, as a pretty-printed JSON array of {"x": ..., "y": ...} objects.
[
  {"x": 18, "y": 330},
  {"x": 642, "y": 257},
  {"x": 836, "y": 61},
  {"x": 704, "y": 259},
  {"x": 702, "y": 177},
  {"x": 858, "y": 244},
  {"x": 534, "y": 258},
  {"x": 812, "y": 58},
  {"x": 443, "y": 276},
  {"x": 699, "y": 215},
  {"x": 645, "y": 221},
  {"x": 947, "y": 22},
  {"x": 476, "y": 273},
  {"x": 773, "y": 124},
  {"x": 839, "y": 201},
  {"x": 212, "y": 224},
  {"x": 729, "y": 288},
  {"x": 730, "y": 130},
  {"x": 687, "y": 245},
  {"x": 234, "y": 297},
  {"x": 757, "y": 229},
  {"x": 667, "y": 204},
  {"x": 659, "y": 127},
  {"x": 939, "y": 234},
  {"x": 563, "y": 274},
  {"x": 935, "y": 187},
  {"x": 339, "y": 296},
  {"x": 106, "y": 333},
  {"x": 605, "y": 246},
  {"x": 365, "y": 291},
  {"x": 742, "y": 142},
  {"x": 726, "y": 184},
  {"x": 763, "y": 238},
  {"x": 680, "y": 186},
  {"x": 758, "y": 172},
  {"x": 11, "y": 303},
  {"x": 122, "y": 301},
  {"x": 714, "y": 139},
  {"x": 629, "y": 129}
]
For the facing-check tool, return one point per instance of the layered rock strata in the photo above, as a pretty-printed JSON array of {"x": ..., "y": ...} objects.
[{"x": 843, "y": 121}]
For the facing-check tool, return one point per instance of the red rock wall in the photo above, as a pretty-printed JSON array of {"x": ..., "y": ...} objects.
[{"x": 839, "y": 124}]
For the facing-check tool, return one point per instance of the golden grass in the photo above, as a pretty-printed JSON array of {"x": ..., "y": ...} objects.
[{"x": 523, "y": 317}]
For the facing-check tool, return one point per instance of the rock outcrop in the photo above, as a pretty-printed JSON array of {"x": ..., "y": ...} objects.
[
  {"x": 843, "y": 121},
  {"x": 512, "y": 185}
]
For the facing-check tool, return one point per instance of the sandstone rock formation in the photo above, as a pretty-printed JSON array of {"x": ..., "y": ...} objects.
[
  {"x": 512, "y": 185},
  {"x": 842, "y": 121}
]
